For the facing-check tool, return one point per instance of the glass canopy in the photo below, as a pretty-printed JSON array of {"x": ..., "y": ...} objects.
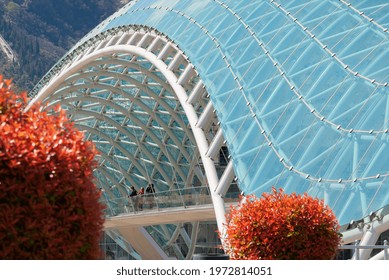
[{"x": 299, "y": 89}]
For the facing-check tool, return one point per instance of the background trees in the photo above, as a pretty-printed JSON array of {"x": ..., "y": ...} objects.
[
  {"x": 40, "y": 32},
  {"x": 283, "y": 227},
  {"x": 49, "y": 206}
]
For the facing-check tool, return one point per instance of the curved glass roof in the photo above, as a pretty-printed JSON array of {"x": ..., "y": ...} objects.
[{"x": 300, "y": 89}]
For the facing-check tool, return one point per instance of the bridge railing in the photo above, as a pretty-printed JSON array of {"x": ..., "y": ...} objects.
[
  {"x": 157, "y": 201},
  {"x": 356, "y": 248}
]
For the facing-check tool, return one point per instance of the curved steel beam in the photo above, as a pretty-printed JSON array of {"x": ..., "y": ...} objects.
[
  {"x": 200, "y": 137},
  {"x": 119, "y": 147},
  {"x": 125, "y": 132}
]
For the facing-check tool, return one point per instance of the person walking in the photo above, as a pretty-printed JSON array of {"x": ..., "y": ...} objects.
[
  {"x": 150, "y": 195},
  {"x": 133, "y": 198}
]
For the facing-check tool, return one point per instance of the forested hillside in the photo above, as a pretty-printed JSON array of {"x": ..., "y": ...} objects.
[{"x": 39, "y": 32}]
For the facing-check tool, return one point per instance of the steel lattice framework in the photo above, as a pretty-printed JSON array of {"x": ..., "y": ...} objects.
[{"x": 296, "y": 90}]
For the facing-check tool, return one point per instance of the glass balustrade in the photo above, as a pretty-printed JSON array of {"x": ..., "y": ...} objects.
[{"x": 186, "y": 197}]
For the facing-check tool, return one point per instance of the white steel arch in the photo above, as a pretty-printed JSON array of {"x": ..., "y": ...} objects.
[{"x": 177, "y": 71}]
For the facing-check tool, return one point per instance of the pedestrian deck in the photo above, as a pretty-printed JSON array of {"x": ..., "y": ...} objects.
[{"x": 129, "y": 221}]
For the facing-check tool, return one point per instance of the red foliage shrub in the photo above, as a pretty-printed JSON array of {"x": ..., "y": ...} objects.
[
  {"x": 49, "y": 205},
  {"x": 281, "y": 227}
]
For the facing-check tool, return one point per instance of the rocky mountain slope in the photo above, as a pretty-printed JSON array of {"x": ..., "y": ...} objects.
[{"x": 34, "y": 34}]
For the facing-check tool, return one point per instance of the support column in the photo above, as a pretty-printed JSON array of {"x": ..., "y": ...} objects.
[{"x": 143, "y": 243}]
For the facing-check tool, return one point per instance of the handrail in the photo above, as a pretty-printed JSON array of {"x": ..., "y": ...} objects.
[
  {"x": 357, "y": 247},
  {"x": 185, "y": 197}
]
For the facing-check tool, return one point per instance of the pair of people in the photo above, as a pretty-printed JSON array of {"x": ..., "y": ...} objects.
[{"x": 137, "y": 198}]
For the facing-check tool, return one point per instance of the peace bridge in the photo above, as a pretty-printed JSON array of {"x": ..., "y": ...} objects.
[{"x": 231, "y": 96}]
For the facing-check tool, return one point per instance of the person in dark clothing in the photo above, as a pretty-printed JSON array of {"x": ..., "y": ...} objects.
[
  {"x": 150, "y": 188},
  {"x": 133, "y": 192},
  {"x": 133, "y": 197},
  {"x": 150, "y": 195}
]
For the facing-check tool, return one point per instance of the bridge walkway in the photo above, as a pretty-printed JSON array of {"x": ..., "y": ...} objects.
[{"x": 129, "y": 218}]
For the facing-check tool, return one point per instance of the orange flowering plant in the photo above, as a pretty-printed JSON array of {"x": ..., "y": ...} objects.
[
  {"x": 49, "y": 205},
  {"x": 278, "y": 226}
]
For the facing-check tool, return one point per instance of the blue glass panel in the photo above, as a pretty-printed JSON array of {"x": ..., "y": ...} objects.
[
  {"x": 247, "y": 139},
  {"x": 220, "y": 82},
  {"x": 249, "y": 50},
  {"x": 224, "y": 35},
  {"x": 182, "y": 5},
  {"x": 223, "y": 98}
]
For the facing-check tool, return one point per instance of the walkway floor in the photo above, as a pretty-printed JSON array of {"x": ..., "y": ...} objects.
[
  {"x": 131, "y": 225},
  {"x": 175, "y": 215}
]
